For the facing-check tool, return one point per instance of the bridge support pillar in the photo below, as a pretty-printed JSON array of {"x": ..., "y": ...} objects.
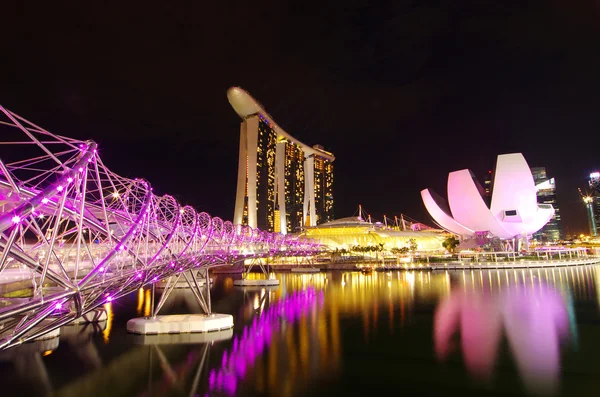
[
  {"x": 183, "y": 323},
  {"x": 245, "y": 282}
]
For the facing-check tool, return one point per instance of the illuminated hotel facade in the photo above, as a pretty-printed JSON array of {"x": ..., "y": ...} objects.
[{"x": 283, "y": 184}]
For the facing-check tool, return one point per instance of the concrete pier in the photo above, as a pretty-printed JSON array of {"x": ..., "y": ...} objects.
[
  {"x": 255, "y": 282},
  {"x": 180, "y": 324}
]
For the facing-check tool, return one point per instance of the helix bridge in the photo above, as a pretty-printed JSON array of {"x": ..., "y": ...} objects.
[{"x": 76, "y": 235}]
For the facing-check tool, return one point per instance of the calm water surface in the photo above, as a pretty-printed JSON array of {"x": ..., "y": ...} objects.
[{"x": 521, "y": 332}]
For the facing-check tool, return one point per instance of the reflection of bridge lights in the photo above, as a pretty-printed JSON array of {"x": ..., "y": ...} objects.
[
  {"x": 148, "y": 303},
  {"x": 257, "y": 336},
  {"x": 140, "y": 301},
  {"x": 109, "y": 321}
]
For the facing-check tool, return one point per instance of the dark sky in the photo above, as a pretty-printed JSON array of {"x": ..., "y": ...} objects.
[{"x": 402, "y": 92}]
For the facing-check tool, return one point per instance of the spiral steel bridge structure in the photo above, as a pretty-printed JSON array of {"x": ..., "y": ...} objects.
[{"x": 83, "y": 235}]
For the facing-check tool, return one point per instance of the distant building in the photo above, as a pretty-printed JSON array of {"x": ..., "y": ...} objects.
[
  {"x": 283, "y": 184},
  {"x": 487, "y": 183},
  {"x": 594, "y": 183},
  {"x": 546, "y": 194}
]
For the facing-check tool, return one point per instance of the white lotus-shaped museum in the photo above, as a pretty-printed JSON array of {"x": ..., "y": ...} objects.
[{"x": 513, "y": 211}]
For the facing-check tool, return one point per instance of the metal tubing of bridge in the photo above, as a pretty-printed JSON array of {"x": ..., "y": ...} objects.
[{"x": 85, "y": 236}]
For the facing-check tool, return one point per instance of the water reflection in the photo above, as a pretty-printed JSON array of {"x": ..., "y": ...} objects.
[
  {"x": 270, "y": 328},
  {"x": 322, "y": 331},
  {"x": 532, "y": 315}
]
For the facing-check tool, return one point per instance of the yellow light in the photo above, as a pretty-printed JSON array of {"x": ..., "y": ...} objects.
[
  {"x": 109, "y": 320},
  {"x": 115, "y": 195},
  {"x": 277, "y": 225},
  {"x": 140, "y": 301}
]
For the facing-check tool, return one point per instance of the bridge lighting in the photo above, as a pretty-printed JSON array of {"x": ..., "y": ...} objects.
[
  {"x": 588, "y": 199},
  {"x": 189, "y": 235}
]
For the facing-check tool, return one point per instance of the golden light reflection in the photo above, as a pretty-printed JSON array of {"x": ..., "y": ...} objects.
[
  {"x": 309, "y": 343},
  {"x": 109, "y": 321},
  {"x": 148, "y": 303},
  {"x": 140, "y": 301},
  {"x": 47, "y": 353}
]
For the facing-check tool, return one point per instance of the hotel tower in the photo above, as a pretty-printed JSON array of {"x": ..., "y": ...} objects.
[{"x": 283, "y": 184}]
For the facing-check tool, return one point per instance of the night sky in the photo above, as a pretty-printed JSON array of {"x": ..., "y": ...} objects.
[{"x": 402, "y": 92}]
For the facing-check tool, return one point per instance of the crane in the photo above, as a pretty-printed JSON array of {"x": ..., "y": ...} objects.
[{"x": 588, "y": 199}]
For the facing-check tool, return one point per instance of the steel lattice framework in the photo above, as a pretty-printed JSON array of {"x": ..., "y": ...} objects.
[{"x": 84, "y": 235}]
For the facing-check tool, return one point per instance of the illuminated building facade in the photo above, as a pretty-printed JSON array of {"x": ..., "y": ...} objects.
[
  {"x": 546, "y": 194},
  {"x": 513, "y": 211},
  {"x": 283, "y": 184}
]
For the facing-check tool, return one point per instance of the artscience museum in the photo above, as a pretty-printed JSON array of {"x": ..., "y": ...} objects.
[{"x": 512, "y": 212}]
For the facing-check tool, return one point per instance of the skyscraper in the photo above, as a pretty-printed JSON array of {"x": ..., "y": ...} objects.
[
  {"x": 546, "y": 194},
  {"x": 487, "y": 183},
  {"x": 283, "y": 184}
]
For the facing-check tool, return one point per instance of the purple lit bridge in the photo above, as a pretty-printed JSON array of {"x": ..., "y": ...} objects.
[{"x": 75, "y": 235}]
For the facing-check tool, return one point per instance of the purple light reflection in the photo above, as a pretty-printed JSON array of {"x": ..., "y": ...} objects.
[
  {"x": 534, "y": 321},
  {"x": 257, "y": 336}
]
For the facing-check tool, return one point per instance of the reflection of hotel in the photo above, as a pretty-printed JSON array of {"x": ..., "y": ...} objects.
[{"x": 283, "y": 184}]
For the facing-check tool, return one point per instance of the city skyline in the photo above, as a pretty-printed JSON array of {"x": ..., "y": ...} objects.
[{"x": 394, "y": 100}]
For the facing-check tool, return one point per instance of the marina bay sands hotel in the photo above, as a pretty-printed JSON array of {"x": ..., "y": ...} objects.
[{"x": 283, "y": 184}]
